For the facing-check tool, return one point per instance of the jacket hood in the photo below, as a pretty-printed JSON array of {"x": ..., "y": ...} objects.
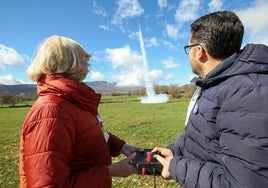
[
  {"x": 253, "y": 58},
  {"x": 76, "y": 92}
]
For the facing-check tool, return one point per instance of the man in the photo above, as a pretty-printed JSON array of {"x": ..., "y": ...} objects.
[{"x": 225, "y": 143}]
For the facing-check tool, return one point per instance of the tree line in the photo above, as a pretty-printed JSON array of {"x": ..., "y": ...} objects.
[
  {"x": 174, "y": 91},
  {"x": 10, "y": 100}
]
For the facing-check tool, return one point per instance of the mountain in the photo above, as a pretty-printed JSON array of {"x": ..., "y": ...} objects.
[
  {"x": 28, "y": 89},
  {"x": 108, "y": 88},
  {"x": 99, "y": 86}
]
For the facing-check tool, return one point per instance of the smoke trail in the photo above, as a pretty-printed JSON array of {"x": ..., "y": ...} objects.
[{"x": 151, "y": 96}]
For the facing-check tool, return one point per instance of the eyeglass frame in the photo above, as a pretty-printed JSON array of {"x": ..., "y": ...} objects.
[{"x": 189, "y": 47}]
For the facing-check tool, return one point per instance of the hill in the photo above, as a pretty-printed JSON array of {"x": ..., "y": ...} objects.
[{"x": 99, "y": 86}]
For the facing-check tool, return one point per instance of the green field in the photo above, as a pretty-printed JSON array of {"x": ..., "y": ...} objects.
[{"x": 143, "y": 125}]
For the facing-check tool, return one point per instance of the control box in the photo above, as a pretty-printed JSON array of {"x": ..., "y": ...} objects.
[{"x": 146, "y": 164}]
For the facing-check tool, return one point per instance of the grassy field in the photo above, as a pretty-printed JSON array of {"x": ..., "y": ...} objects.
[{"x": 143, "y": 125}]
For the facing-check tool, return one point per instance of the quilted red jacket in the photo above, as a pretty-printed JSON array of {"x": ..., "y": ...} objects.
[{"x": 62, "y": 143}]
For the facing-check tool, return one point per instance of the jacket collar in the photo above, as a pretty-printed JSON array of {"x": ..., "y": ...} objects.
[
  {"x": 76, "y": 92},
  {"x": 252, "y": 59}
]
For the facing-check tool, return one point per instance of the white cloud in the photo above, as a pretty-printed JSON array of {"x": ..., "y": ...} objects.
[
  {"x": 155, "y": 75},
  {"x": 261, "y": 38},
  {"x": 129, "y": 79},
  {"x": 255, "y": 21},
  {"x": 169, "y": 45},
  {"x": 134, "y": 35},
  {"x": 105, "y": 27},
  {"x": 124, "y": 57},
  {"x": 10, "y": 80},
  {"x": 152, "y": 42},
  {"x": 191, "y": 76},
  {"x": 97, "y": 76},
  {"x": 98, "y": 10},
  {"x": 132, "y": 71},
  {"x": 169, "y": 63},
  {"x": 187, "y": 10},
  {"x": 170, "y": 77},
  {"x": 126, "y": 9},
  {"x": 130, "y": 67},
  {"x": 162, "y": 3},
  {"x": 215, "y": 5},
  {"x": 9, "y": 57},
  {"x": 172, "y": 31}
]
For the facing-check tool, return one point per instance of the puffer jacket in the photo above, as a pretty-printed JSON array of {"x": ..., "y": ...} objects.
[
  {"x": 62, "y": 142},
  {"x": 225, "y": 143}
]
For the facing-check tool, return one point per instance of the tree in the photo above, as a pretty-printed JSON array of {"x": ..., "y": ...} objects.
[{"x": 7, "y": 98}]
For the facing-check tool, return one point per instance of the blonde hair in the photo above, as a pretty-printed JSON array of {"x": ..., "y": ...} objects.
[{"x": 59, "y": 55}]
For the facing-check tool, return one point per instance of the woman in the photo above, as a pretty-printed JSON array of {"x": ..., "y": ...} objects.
[{"x": 63, "y": 141}]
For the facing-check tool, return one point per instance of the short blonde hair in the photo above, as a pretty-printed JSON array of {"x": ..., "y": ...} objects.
[{"x": 59, "y": 55}]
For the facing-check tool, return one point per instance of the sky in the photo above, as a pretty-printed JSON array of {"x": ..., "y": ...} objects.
[{"x": 109, "y": 31}]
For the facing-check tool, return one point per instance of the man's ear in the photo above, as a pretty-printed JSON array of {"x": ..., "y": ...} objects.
[{"x": 202, "y": 55}]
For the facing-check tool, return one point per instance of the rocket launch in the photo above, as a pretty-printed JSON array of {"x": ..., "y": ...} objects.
[{"x": 151, "y": 96}]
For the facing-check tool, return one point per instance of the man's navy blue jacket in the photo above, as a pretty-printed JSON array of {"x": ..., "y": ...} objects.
[{"x": 225, "y": 143}]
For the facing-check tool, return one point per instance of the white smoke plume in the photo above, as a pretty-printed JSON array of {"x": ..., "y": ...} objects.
[{"x": 151, "y": 97}]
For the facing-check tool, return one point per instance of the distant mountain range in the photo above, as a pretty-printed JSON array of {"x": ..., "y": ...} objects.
[{"x": 99, "y": 86}]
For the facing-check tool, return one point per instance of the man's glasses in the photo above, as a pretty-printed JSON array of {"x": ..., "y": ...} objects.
[{"x": 188, "y": 48}]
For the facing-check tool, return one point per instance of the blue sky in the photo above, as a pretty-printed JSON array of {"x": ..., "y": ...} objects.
[{"x": 109, "y": 31}]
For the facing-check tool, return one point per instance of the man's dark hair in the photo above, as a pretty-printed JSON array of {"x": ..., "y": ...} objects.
[{"x": 221, "y": 32}]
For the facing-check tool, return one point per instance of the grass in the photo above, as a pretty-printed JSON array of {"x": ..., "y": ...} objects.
[
  {"x": 143, "y": 125},
  {"x": 10, "y": 127}
]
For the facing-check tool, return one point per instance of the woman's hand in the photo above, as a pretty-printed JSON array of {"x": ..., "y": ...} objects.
[
  {"x": 123, "y": 167},
  {"x": 128, "y": 150}
]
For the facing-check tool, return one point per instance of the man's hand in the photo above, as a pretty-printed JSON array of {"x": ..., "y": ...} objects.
[{"x": 164, "y": 158}]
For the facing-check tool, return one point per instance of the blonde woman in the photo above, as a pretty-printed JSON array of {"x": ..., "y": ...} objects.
[{"x": 63, "y": 141}]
